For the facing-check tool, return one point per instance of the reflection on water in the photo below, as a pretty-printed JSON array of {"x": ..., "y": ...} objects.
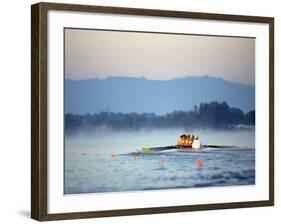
[{"x": 104, "y": 162}]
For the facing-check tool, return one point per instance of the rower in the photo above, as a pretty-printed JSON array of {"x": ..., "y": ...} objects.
[
  {"x": 189, "y": 141},
  {"x": 186, "y": 142},
  {"x": 196, "y": 143},
  {"x": 181, "y": 141}
]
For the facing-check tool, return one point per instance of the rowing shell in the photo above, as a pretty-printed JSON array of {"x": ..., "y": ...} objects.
[{"x": 151, "y": 150}]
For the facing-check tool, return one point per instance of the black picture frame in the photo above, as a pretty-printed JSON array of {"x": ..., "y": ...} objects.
[{"x": 39, "y": 105}]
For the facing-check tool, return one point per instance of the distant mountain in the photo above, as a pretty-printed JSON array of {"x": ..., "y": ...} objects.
[{"x": 126, "y": 95}]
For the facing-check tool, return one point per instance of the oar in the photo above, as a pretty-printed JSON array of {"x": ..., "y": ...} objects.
[
  {"x": 224, "y": 146},
  {"x": 157, "y": 149}
]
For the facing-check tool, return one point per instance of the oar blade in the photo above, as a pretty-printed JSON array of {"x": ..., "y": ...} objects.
[{"x": 147, "y": 150}]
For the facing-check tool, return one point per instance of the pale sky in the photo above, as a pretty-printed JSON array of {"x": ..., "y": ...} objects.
[{"x": 101, "y": 54}]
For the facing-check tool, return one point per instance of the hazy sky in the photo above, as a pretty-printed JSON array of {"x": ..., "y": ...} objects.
[{"x": 100, "y": 54}]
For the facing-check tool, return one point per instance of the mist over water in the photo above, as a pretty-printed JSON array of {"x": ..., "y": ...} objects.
[
  {"x": 102, "y": 161},
  {"x": 108, "y": 140}
]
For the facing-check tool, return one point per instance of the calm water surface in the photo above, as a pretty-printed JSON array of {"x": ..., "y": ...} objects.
[{"x": 99, "y": 163}]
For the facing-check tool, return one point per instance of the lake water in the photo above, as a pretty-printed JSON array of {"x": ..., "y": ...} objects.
[{"x": 105, "y": 162}]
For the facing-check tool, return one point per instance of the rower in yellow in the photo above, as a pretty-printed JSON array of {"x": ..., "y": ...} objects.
[
  {"x": 189, "y": 141},
  {"x": 182, "y": 140}
]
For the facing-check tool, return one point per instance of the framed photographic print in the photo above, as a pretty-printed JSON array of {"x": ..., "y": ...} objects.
[{"x": 141, "y": 111}]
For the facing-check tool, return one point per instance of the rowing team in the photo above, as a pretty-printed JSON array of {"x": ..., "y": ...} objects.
[{"x": 189, "y": 141}]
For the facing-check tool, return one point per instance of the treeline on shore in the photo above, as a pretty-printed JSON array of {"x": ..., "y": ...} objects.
[{"x": 213, "y": 115}]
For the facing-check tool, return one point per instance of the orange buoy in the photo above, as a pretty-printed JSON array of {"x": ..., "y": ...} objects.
[
  {"x": 97, "y": 155},
  {"x": 134, "y": 158},
  {"x": 113, "y": 156},
  {"x": 199, "y": 164},
  {"x": 162, "y": 162}
]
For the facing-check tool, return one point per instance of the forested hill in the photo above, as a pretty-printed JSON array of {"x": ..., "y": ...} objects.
[
  {"x": 139, "y": 95},
  {"x": 207, "y": 115}
]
